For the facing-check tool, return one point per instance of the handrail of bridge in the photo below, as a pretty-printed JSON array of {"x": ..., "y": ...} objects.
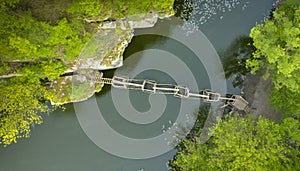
[{"x": 151, "y": 86}]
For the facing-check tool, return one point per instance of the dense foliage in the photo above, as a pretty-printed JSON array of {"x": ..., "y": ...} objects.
[
  {"x": 39, "y": 40},
  {"x": 117, "y": 9},
  {"x": 20, "y": 104},
  {"x": 244, "y": 144},
  {"x": 278, "y": 54}
]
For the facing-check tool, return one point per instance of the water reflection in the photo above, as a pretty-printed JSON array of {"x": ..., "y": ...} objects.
[
  {"x": 234, "y": 58},
  {"x": 192, "y": 131},
  {"x": 60, "y": 144}
]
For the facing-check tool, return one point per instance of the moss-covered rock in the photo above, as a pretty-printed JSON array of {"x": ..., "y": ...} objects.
[
  {"x": 103, "y": 51},
  {"x": 74, "y": 88}
]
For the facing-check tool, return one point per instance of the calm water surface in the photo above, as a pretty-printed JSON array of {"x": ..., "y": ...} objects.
[{"x": 60, "y": 144}]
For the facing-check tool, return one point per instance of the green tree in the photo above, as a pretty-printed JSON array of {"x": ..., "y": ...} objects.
[
  {"x": 26, "y": 39},
  {"x": 286, "y": 101},
  {"x": 244, "y": 144},
  {"x": 38, "y": 40},
  {"x": 10, "y": 3},
  {"x": 100, "y": 10},
  {"x": 20, "y": 107},
  {"x": 29, "y": 48},
  {"x": 22, "y": 99},
  {"x": 278, "y": 53}
]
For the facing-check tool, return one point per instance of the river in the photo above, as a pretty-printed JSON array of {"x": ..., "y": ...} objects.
[{"x": 60, "y": 143}]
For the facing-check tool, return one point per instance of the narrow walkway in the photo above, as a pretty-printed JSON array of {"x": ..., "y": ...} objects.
[{"x": 150, "y": 86}]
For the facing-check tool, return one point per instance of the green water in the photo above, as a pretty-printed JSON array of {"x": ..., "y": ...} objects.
[{"x": 60, "y": 144}]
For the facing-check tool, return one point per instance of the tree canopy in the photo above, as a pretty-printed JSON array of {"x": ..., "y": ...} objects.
[
  {"x": 244, "y": 144},
  {"x": 117, "y": 9},
  {"x": 20, "y": 107},
  {"x": 39, "y": 40},
  {"x": 277, "y": 54}
]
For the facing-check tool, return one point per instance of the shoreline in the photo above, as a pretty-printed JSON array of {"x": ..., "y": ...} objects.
[{"x": 256, "y": 91}]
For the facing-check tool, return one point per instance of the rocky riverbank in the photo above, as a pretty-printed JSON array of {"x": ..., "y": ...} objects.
[
  {"x": 104, "y": 51},
  {"x": 256, "y": 91}
]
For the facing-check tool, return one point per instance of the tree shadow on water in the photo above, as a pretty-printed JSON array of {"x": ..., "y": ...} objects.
[{"x": 235, "y": 57}]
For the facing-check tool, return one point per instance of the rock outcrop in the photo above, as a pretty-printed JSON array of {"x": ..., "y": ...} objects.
[{"x": 103, "y": 51}]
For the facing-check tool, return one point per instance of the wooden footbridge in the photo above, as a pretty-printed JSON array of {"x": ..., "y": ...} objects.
[{"x": 150, "y": 86}]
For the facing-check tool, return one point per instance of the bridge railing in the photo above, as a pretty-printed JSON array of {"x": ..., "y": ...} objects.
[{"x": 151, "y": 86}]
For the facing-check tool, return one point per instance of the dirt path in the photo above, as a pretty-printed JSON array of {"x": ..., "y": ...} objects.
[{"x": 256, "y": 92}]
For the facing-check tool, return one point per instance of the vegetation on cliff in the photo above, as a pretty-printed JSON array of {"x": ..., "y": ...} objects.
[{"x": 39, "y": 41}]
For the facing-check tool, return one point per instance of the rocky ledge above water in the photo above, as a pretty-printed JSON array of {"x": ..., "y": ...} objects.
[{"x": 103, "y": 51}]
